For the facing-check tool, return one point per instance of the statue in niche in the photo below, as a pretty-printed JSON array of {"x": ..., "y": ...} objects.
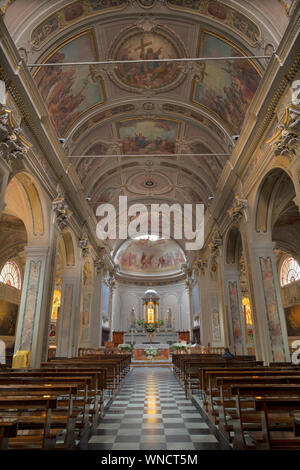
[
  {"x": 133, "y": 318},
  {"x": 169, "y": 318}
]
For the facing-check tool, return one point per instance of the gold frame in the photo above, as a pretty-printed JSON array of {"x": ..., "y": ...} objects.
[{"x": 89, "y": 32}]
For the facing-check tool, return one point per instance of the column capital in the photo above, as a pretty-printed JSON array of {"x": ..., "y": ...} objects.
[
  {"x": 62, "y": 211},
  {"x": 12, "y": 144}
]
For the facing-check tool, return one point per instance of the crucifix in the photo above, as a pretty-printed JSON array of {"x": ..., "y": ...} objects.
[{"x": 142, "y": 48}]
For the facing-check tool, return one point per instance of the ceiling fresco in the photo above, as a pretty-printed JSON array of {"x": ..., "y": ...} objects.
[
  {"x": 154, "y": 131},
  {"x": 226, "y": 88},
  {"x": 70, "y": 91},
  {"x": 147, "y": 46},
  {"x": 148, "y": 136}
]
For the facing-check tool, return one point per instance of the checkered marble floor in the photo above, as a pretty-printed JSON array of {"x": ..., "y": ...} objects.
[{"x": 151, "y": 412}]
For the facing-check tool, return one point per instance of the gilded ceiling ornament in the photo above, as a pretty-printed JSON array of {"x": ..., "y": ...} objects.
[
  {"x": 11, "y": 145},
  {"x": 83, "y": 245},
  {"x": 239, "y": 209},
  {"x": 147, "y": 23},
  {"x": 286, "y": 141},
  {"x": 62, "y": 211}
]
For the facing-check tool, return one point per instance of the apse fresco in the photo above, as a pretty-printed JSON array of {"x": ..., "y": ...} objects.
[
  {"x": 147, "y": 257},
  {"x": 70, "y": 91},
  {"x": 148, "y": 136},
  {"x": 147, "y": 46},
  {"x": 225, "y": 87}
]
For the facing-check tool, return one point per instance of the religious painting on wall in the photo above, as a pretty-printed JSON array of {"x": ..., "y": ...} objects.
[
  {"x": 148, "y": 136},
  {"x": 85, "y": 318},
  {"x": 147, "y": 46},
  {"x": 292, "y": 316},
  {"x": 8, "y": 318},
  {"x": 235, "y": 317},
  {"x": 29, "y": 312},
  {"x": 272, "y": 309},
  {"x": 70, "y": 91},
  {"x": 216, "y": 326},
  {"x": 225, "y": 87}
]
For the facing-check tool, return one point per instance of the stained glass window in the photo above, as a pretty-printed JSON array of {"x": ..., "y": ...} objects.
[
  {"x": 290, "y": 271},
  {"x": 11, "y": 275}
]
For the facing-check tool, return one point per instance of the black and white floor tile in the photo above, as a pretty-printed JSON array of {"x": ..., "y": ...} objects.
[{"x": 151, "y": 412}]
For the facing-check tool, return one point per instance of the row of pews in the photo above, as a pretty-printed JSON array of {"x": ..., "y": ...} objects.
[
  {"x": 253, "y": 406},
  {"x": 59, "y": 405}
]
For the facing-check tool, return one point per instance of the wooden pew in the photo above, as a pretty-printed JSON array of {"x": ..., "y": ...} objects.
[
  {"x": 249, "y": 419},
  {"x": 37, "y": 410},
  {"x": 285, "y": 407},
  {"x": 8, "y": 428}
]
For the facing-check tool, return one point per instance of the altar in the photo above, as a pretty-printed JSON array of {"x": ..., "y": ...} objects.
[{"x": 162, "y": 349}]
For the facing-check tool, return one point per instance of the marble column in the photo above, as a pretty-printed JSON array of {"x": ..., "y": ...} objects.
[{"x": 269, "y": 310}]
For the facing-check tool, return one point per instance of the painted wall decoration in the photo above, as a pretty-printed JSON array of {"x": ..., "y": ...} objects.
[
  {"x": 148, "y": 136},
  {"x": 105, "y": 299},
  {"x": 150, "y": 257},
  {"x": 292, "y": 316},
  {"x": 272, "y": 309},
  {"x": 226, "y": 88},
  {"x": 216, "y": 326},
  {"x": 196, "y": 299},
  {"x": 235, "y": 317},
  {"x": 8, "y": 318},
  {"x": 147, "y": 46},
  {"x": 69, "y": 15},
  {"x": 65, "y": 320},
  {"x": 86, "y": 166},
  {"x": 30, "y": 306},
  {"x": 70, "y": 91},
  {"x": 222, "y": 13},
  {"x": 85, "y": 318}
]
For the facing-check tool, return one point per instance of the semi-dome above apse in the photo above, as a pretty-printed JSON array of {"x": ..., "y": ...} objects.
[{"x": 146, "y": 257}]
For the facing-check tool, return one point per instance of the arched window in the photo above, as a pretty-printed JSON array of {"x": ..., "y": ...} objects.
[
  {"x": 11, "y": 275},
  {"x": 290, "y": 271}
]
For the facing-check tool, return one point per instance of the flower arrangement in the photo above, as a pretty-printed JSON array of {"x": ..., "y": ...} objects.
[
  {"x": 150, "y": 327},
  {"x": 182, "y": 346},
  {"x": 124, "y": 347},
  {"x": 151, "y": 352}
]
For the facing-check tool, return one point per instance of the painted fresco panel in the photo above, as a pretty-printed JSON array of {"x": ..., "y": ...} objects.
[
  {"x": 70, "y": 91},
  {"x": 147, "y": 46},
  {"x": 216, "y": 326},
  {"x": 30, "y": 308},
  {"x": 272, "y": 309},
  {"x": 196, "y": 299},
  {"x": 66, "y": 320},
  {"x": 225, "y": 87},
  {"x": 235, "y": 317},
  {"x": 148, "y": 136}
]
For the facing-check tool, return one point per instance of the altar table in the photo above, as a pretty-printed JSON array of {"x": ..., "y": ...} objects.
[{"x": 139, "y": 351}]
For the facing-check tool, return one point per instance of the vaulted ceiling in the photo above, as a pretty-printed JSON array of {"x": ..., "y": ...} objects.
[{"x": 154, "y": 131}]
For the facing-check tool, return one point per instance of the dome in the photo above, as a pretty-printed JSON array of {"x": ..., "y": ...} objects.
[
  {"x": 144, "y": 257},
  {"x": 151, "y": 294}
]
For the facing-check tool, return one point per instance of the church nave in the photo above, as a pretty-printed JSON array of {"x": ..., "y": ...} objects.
[{"x": 151, "y": 412}]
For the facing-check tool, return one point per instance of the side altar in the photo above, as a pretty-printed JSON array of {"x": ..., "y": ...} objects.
[{"x": 162, "y": 351}]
